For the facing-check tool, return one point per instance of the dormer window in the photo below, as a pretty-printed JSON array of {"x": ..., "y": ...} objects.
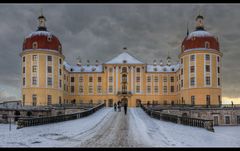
[
  {"x": 49, "y": 38},
  {"x": 124, "y": 61},
  {"x": 155, "y": 69},
  {"x": 207, "y": 45},
  {"x": 183, "y": 47},
  {"x": 93, "y": 69},
  {"x": 71, "y": 69},
  {"x": 35, "y": 45},
  {"x": 164, "y": 69},
  {"x": 172, "y": 69},
  {"x": 82, "y": 69},
  {"x": 59, "y": 48}
]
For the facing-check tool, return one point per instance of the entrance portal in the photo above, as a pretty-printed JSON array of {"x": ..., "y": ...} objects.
[{"x": 124, "y": 100}]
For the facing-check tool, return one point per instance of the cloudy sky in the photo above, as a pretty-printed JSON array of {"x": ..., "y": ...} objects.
[{"x": 100, "y": 31}]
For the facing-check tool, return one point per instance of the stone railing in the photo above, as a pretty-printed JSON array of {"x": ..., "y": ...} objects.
[
  {"x": 202, "y": 123},
  {"x": 24, "y": 122}
]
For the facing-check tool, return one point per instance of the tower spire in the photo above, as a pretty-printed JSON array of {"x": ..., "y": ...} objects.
[
  {"x": 41, "y": 22},
  {"x": 187, "y": 30}
]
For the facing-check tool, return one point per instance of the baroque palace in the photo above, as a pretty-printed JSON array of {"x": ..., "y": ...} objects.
[{"x": 48, "y": 79}]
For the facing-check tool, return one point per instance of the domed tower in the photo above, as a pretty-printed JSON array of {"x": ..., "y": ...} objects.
[
  {"x": 42, "y": 67},
  {"x": 200, "y": 69}
]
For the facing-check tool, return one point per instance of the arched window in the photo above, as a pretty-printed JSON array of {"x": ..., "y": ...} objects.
[
  {"x": 35, "y": 45},
  {"x": 124, "y": 69},
  {"x": 207, "y": 45}
]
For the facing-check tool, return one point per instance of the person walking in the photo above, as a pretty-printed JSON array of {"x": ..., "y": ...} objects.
[
  {"x": 125, "y": 108},
  {"x": 115, "y": 106}
]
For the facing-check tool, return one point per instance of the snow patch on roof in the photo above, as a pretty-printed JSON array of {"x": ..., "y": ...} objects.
[
  {"x": 83, "y": 68},
  {"x": 206, "y": 49},
  {"x": 39, "y": 33},
  {"x": 199, "y": 34},
  {"x": 124, "y": 58},
  {"x": 158, "y": 68}
]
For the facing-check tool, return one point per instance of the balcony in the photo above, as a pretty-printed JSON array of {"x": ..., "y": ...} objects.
[{"x": 124, "y": 93}]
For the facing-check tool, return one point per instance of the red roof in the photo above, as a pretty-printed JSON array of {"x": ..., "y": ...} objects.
[
  {"x": 44, "y": 40},
  {"x": 198, "y": 39}
]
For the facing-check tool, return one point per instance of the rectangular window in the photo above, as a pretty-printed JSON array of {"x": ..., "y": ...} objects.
[
  {"x": 172, "y": 79},
  {"x": 138, "y": 79},
  {"x": 49, "y": 69},
  {"x": 138, "y": 69},
  {"x": 172, "y": 88},
  {"x": 137, "y": 89},
  {"x": 60, "y": 71},
  {"x": 219, "y": 82},
  {"x": 181, "y": 61},
  {"x": 72, "y": 79},
  {"x": 34, "y": 99},
  {"x": 23, "y": 81},
  {"x": 34, "y": 80},
  {"x": 238, "y": 119},
  {"x": 193, "y": 100},
  {"x": 49, "y": 100},
  {"x": 192, "y": 69},
  {"x": 49, "y": 58},
  {"x": 60, "y": 83},
  {"x": 149, "y": 79},
  {"x": 218, "y": 69},
  {"x": 99, "y": 79},
  {"x": 207, "y": 57},
  {"x": 207, "y": 68},
  {"x": 60, "y": 100},
  {"x": 60, "y": 61},
  {"x": 23, "y": 69},
  {"x": 181, "y": 71},
  {"x": 110, "y": 69},
  {"x": 155, "y": 79},
  {"x": 227, "y": 119},
  {"x": 49, "y": 81},
  {"x": 34, "y": 68},
  {"x": 181, "y": 83},
  {"x": 148, "y": 89},
  {"x": 99, "y": 89},
  {"x": 110, "y": 79},
  {"x": 208, "y": 81},
  {"x": 23, "y": 59},
  {"x": 218, "y": 59},
  {"x": 110, "y": 89},
  {"x": 81, "y": 79},
  {"x": 165, "y": 89},
  {"x": 192, "y": 81},
  {"x": 72, "y": 89},
  {"x": 80, "y": 89},
  {"x": 165, "y": 79},
  {"x": 23, "y": 98},
  {"x": 192, "y": 57},
  {"x": 156, "y": 89},
  {"x": 208, "y": 99},
  {"x": 34, "y": 58}
]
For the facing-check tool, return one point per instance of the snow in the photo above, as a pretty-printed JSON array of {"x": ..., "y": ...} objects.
[
  {"x": 124, "y": 56},
  {"x": 83, "y": 68},
  {"x": 39, "y": 33},
  {"x": 206, "y": 49},
  {"x": 107, "y": 128},
  {"x": 151, "y": 68},
  {"x": 200, "y": 33}
]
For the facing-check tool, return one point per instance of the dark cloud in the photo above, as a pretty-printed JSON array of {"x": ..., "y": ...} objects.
[{"x": 97, "y": 31}]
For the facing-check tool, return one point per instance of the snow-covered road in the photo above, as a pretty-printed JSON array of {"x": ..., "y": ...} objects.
[{"x": 107, "y": 128}]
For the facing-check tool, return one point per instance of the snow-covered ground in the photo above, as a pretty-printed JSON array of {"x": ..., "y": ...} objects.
[{"x": 107, "y": 128}]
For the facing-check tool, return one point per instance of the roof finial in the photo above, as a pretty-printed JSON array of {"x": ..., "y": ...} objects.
[
  {"x": 42, "y": 20},
  {"x": 187, "y": 30}
]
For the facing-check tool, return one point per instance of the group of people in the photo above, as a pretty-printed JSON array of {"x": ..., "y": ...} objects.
[{"x": 119, "y": 105}]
